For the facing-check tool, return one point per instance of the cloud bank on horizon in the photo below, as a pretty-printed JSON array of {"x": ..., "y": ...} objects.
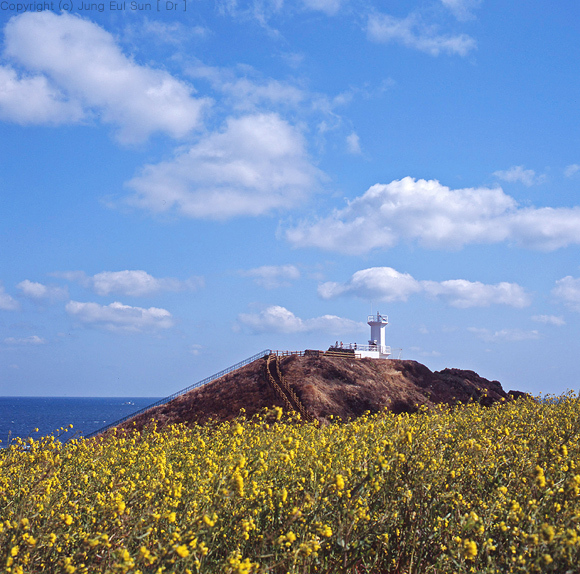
[{"x": 220, "y": 166}]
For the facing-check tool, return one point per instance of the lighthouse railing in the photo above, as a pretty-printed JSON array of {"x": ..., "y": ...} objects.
[{"x": 382, "y": 349}]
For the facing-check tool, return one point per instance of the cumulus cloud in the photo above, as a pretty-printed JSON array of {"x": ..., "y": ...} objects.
[
  {"x": 273, "y": 276},
  {"x": 277, "y": 319},
  {"x": 31, "y": 99},
  {"x": 412, "y": 33},
  {"x": 518, "y": 173},
  {"x": 73, "y": 70},
  {"x": 438, "y": 218},
  {"x": 32, "y": 340},
  {"x": 567, "y": 291},
  {"x": 504, "y": 335},
  {"x": 387, "y": 284},
  {"x": 257, "y": 163},
  {"x": 135, "y": 283},
  {"x": 549, "y": 320},
  {"x": 38, "y": 291},
  {"x": 7, "y": 303},
  {"x": 384, "y": 283},
  {"x": 119, "y": 317}
]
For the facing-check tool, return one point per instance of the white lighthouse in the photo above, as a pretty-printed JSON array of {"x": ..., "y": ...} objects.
[
  {"x": 376, "y": 349},
  {"x": 378, "y": 324}
]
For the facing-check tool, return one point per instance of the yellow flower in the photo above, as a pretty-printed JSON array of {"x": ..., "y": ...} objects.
[
  {"x": 325, "y": 531},
  {"x": 182, "y": 551},
  {"x": 239, "y": 484},
  {"x": 548, "y": 532},
  {"x": 540, "y": 478},
  {"x": 470, "y": 549}
]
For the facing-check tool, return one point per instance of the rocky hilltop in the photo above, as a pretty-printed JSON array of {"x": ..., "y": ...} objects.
[{"x": 321, "y": 385}]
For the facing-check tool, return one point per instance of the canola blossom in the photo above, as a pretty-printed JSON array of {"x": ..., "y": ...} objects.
[{"x": 463, "y": 489}]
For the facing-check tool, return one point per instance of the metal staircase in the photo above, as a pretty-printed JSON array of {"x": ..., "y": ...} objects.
[{"x": 265, "y": 353}]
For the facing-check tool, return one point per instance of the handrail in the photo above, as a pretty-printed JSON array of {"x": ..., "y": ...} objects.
[
  {"x": 276, "y": 386},
  {"x": 265, "y": 352},
  {"x": 284, "y": 386},
  {"x": 343, "y": 355}
]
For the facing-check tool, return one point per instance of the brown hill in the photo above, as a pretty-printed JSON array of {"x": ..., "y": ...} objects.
[{"x": 323, "y": 385}]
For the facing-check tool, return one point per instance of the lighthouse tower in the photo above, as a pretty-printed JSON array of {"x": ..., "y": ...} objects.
[
  {"x": 378, "y": 323},
  {"x": 376, "y": 349}
]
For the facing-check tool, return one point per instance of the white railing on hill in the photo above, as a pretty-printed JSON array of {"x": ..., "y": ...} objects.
[
  {"x": 383, "y": 349},
  {"x": 205, "y": 381}
]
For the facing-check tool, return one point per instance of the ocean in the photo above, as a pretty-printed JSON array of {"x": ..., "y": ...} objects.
[{"x": 19, "y": 416}]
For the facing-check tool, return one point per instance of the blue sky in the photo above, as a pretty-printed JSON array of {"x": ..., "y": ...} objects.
[{"x": 183, "y": 188}]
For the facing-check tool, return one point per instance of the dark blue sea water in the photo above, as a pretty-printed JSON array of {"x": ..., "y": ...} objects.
[{"x": 19, "y": 416}]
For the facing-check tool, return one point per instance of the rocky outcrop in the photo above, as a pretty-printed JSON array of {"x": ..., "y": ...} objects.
[{"x": 328, "y": 386}]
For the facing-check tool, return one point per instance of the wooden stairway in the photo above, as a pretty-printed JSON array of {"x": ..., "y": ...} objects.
[{"x": 283, "y": 389}]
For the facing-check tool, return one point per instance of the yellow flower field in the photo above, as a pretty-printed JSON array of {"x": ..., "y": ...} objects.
[{"x": 468, "y": 489}]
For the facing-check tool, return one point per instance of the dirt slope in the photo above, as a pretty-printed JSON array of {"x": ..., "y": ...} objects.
[{"x": 327, "y": 386}]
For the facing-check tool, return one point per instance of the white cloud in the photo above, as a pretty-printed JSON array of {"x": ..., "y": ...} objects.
[
  {"x": 277, "y": 319},
  {"x": 246, "y": 89},
  {"x": 571, "y": 170},
  {"x": 257, "y": 163},
  {"x": 119, "y": 317},
  {"x": 38, "y": 291},
  {"x": 79, "y": 72},
  {"x": 135, "y": 283},
  {"x": 384, "y": 283},
  {"x": 518, "y": 173},
  {"x": 549, "y": 320},
  {"x": 410, "y": 32},
  {"x": 7, "y": 303},
  {"x": 462, "y": 293},
  {"x": 353, "y": 144},
  {"x": 174, "y": 33},
  {"x": 438, "y": 218},
  {"x": 31, "y": 99},
  {"x": 387, "y": 284},
  {"x": 567, "y": 290},
  {"x": 195, "y": 349},
  {"x": 462, "y": 9},
  {"x": 32, "y": 340},
  {"x": 329, "y": 7},
  {"x": 504, "y": 335},
  {"x": 273, "y": 276}
]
